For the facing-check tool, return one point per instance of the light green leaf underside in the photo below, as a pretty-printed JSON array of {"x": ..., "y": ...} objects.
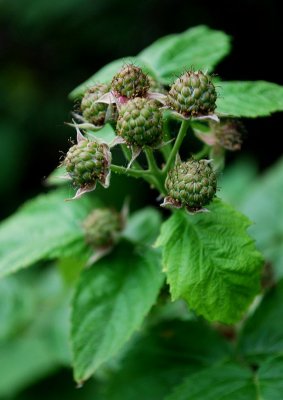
[
  {"x": 162, "y": 358},
  {"x": 262, "y": 335},
  {"x": 232, "y": 381},
  {"x": 106, "y": 73},
  {"x": 264, "y": 205},
  {"x": 44, "y": 228},
  {"x": 249, "y": 99},
  {"x": 110, "y": 303},
  {"x": 197, "y": 48},
  {"x": 211, "y": 261}
]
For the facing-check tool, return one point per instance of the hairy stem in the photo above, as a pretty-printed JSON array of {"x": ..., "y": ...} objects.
[{"x": 179, "y": 139}]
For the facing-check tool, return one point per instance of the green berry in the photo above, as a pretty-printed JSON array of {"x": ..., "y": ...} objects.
[
  {"x": 87, "y": 162},
  {"x": 140, "y": 122},
  {"x": 193, "y": 94},
  {"x": 94, "y": 113},
  {"x": 228, "y": 133},
  {"x": 191, "y": 184},
  {"x": 130, "y": 82},
  {"x": 101, "y": 227}
]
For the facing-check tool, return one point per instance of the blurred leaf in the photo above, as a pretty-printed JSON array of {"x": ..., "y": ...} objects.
[
  {"x": 264, "y": 205},
  {"x": 232, "y": 381},
  {"x": 197, "y": 48},
  {"x": 37, "y": 341},
  {"x": 262, "y": 335},
  {"x": 211, "y": 253},
  {"x": 106, "y": 133},
  {"x": 236, "y": 179},
  {"x": 45, "y": 227},
  {"x": 249, "y": 99},
  {"x": 228, "y": 381},
  {"x": 106, "y": 73},
  {"x": 270, "y": 379},
  {"x": 111, "y": 300},
  {"x": 160, "y": 359},
  {"x": 143, "y": 226}
]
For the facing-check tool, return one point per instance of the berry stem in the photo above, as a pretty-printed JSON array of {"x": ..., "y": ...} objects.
[
  {"x": 136, "y": 173},
  {"x": 202, "y": 153},
  {"x": 179, "y": 139}
]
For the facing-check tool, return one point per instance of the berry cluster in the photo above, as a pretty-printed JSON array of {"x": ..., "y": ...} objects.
[{"x": 140, "y": 109}]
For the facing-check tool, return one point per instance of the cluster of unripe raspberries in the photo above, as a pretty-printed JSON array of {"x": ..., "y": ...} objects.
[{"x": 133, "y": 103}]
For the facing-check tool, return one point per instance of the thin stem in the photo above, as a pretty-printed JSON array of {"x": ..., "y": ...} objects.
[
  {"x": 136, "y": 173},
  {"x": 202, "y": 153},
  {"x": 153, "y": 167},
  {"x": 180, "y": 137}
]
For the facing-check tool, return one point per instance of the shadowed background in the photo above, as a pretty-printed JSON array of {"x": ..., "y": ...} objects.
[{"x": 49, "y": 47}]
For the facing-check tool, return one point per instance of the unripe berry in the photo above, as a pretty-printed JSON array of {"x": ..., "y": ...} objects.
[
  {"x": 140, "y": 123},
  {"x": 228, "y": 133},
  {"x": 130, "y": 82},
  {"x": 93, "y": 112},
  {"x": 193, "y": 94},
  {"x": 191, "y": 184},
  {"x": 88, "y": 162},
  {"x": 102, "y": 227}
]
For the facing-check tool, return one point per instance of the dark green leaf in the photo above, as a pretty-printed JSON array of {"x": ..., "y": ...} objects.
[
  {"x": 262, "y": 335},
  {"x": 211, "y": 261},
  {"x": 160, "y": 359},
  {"x": 45, "y": 227},
  {"x": 249, "y": 99},
  {"x": 224, "y": 382},
  {"x": 198, "y": 48},
  {"x": 110, "y": 303}
]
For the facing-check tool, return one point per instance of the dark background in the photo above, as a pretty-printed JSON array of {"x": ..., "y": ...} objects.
[{"x": 47, "y": 47}]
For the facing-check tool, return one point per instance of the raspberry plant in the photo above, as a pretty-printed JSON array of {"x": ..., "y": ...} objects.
[{"x": 169, "y": 304}]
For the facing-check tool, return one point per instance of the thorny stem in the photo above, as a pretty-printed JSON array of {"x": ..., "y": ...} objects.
[{"x": 177, "y": 144}]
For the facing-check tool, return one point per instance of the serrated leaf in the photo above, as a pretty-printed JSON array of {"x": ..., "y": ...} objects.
[
  {"x": 198, "y": 48},
  {"x": 224, "y": 382},
  {"x": 110, "y": 303},
  {"x": 143, "y": 226},
  {"x": 44, "y": 228},
  {"x": 211, "y": 261},
  {"x": 264, "y": 205},
  {"x": 249, "y": 99},
  {"x": 106, "y": 73},
  {"x": 161, "y": 358},
  {"x": 262, "y": 335}
]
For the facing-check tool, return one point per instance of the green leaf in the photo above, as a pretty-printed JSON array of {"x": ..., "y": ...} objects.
[
  {"x": 235, "y": 180},
  {"x": 44, "y": 228},
  {"x": 106, "y": 73},
  {"x": 249, "y": 99},
  {"x": 143, "y": 226},
  {"x": 162, "y": 357},
  {"x": 211, "y": 261},
  {"x": 224, "y": 382},
  {"x": 106, "y": 133},
  {"x": 264, "y": 205},
  {"x": 109, "y": 305},
  {"x": 262, "y": 335},
  {"x": 34, "y": 341},
  {"x": 232, "y": 381},
  {"x": 270, "y": 379},
  {"x": 198, "y": 48}
]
